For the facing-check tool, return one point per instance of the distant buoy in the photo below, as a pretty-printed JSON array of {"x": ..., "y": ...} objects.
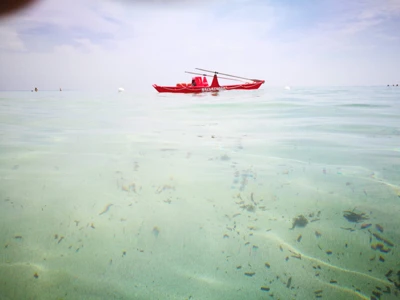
[{"x": 120, "y": 90}]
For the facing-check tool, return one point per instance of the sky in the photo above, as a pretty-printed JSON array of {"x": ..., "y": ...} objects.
[{"x": 105, "y": 44}]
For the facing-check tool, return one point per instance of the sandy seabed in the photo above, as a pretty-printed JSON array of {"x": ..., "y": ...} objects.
[{"x": 200, "y": 227}]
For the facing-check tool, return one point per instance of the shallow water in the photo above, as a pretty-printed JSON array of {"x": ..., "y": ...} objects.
[{"x": 157, "y": 196}]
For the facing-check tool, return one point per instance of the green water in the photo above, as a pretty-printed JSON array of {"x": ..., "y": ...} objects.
[{"x": 157, "y": 196}]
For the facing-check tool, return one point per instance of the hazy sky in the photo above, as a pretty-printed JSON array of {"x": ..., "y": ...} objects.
[{"x": 104, "y": 44}]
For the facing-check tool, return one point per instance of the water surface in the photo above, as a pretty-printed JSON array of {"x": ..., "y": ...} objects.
[{"x": 158, "y": 196}]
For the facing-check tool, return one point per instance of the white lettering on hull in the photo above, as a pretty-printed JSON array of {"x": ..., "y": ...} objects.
[{"x": 212, "y": 89}]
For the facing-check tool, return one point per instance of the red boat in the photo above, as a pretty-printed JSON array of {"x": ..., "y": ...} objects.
[{"x": 200, "y": 85}]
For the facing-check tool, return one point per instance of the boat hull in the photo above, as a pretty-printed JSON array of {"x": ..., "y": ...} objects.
[{"x": 197, "y": 89}]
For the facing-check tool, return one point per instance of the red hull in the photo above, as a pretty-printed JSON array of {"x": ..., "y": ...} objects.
[
  {"x": 199, "y": 89},
  {"x": 203, "y": 87}
]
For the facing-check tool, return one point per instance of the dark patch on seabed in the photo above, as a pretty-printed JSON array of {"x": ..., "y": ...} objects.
[{"x": 251, "y": 208}]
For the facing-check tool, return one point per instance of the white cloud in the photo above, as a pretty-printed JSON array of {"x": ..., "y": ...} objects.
[
  {"x": 156, "y": 44},
  {"x": 10, "y": 40},
  {"x": 367, "y": 15},
  {"x": 71, "y": 14}
]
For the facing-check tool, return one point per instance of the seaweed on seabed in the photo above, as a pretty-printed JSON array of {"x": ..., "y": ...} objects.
[
  {"x": 299, "y": 221},
  {"x": 351, "y": 216},
  {"x": 248, "y": 207}
]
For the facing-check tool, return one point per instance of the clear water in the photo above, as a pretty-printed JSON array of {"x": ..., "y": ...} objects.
[{"x": 160, "y": 196}]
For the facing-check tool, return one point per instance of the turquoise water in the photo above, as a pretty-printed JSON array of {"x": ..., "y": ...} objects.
[{"x": 160, "y": 196}]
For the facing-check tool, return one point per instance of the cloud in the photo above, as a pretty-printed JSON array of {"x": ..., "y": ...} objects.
[
  {"x": 50, "y": 23},
  {"x": 10, "y": 40},
  {"x": 102, "y": 44},
  {"x": 367, "y": 16}
]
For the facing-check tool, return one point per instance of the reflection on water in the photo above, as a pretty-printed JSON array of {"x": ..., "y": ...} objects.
[{"x": 269, "y": 193}]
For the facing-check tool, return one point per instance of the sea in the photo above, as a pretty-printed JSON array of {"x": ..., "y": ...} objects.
[{"x": 267, "y": 194}]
